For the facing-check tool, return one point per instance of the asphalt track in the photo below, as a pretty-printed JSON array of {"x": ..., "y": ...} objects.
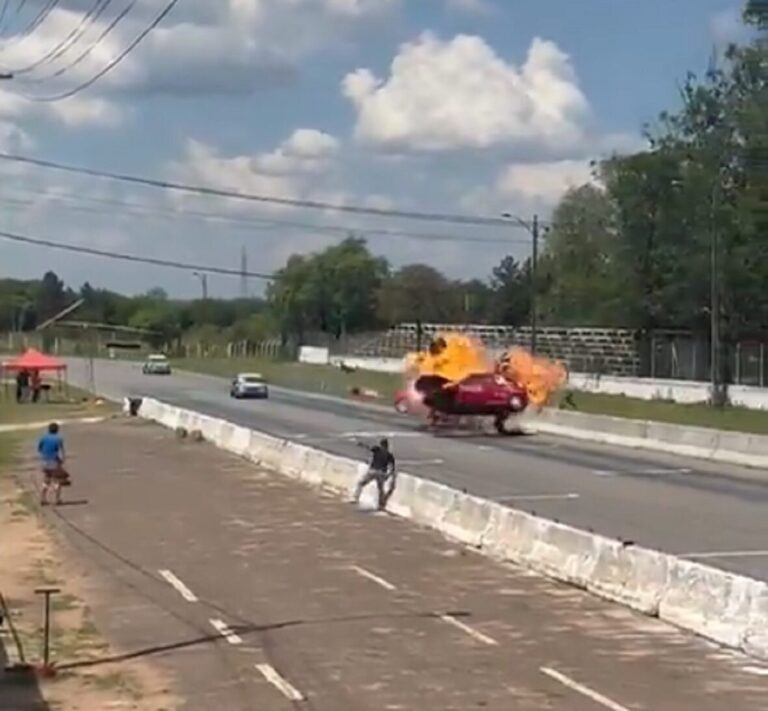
[
  {"x": 253, "y": 592},
  {"x": 709, "y": 512}
]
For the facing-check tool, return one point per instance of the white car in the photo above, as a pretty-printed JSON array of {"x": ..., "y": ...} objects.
[
  {"x": 156, "y": 364},
  {"x": 247, "y": 385}
]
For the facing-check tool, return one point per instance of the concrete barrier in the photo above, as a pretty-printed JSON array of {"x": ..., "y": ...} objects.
[
  {"x": 726, "y": 608},
  {"x": 739, "y": 448},
  {"x": 635, "y": 577},
  {"x": 713, "y": 603}
]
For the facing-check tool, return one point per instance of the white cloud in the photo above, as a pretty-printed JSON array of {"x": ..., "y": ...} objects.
[
  {"x": 527, "y": 188},
  {"x": 447, "y": 95},
  {"x": 543, "y": 182},
  {"x": 302, "y": 165}
]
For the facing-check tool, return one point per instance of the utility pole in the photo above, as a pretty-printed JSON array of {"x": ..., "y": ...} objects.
[
  {"x": 243, "y": 273},
  {"x": 535, "y": 285},
  {"x": 533, "y": 229},
  {"x": 714, "y": 301},
  {"x": 203, "y": 277}
]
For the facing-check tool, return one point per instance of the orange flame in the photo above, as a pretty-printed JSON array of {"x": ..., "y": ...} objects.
[
  {"x": 455, "y": 356},
  {"x": 540, "y": 377}
]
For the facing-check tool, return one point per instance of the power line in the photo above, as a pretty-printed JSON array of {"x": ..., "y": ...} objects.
[
  {"x": 61, "y": 71},
  {"x": 112, "y": 64},
  {"x": 250, "y": 197},
  {"x": 32, "y": 26},
  {"x": 8, "y": 23},
  {"x": 87, "y": 20},
  {"x": 249, "y": 223},
  {"x": 185, "y": 266}
]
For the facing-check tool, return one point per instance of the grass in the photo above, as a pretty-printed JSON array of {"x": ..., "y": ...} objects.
[
  {"x": 333, "y": 381},
  {"x": 72, "y": 403},
  {"x": 313, "y": 378}
]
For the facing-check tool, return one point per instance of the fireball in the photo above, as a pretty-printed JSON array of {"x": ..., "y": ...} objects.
[{"x": 455, "y": 356}]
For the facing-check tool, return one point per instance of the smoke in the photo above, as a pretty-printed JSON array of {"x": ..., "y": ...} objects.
[{"x": 455, "y": 356}]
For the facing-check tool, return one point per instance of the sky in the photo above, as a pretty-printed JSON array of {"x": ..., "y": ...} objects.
[{"x": 475, "y": 107}]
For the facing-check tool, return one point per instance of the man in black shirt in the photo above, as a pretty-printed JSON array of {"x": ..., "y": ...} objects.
[{"x": 381, "y": 469}]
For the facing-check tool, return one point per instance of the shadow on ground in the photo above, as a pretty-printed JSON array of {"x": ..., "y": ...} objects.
[{"x": 19, "y": 690}]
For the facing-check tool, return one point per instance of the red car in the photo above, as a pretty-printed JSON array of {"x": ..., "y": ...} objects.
[{"x": 481, "y": 394}]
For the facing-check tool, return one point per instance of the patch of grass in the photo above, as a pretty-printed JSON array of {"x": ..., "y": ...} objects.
[
  {"x": 311, "y": 378},
  {"x": 737, "y": 419},
  {"x": 71, "y": 403},
  {"x": 333, "y": 381}
]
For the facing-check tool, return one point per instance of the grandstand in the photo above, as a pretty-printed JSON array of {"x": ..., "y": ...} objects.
[{"x": 584, "y": 350}]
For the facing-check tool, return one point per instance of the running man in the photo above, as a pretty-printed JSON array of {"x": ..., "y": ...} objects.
[
  {"x": 51, "y": 451},
  {"x": 381, "y": 470}
]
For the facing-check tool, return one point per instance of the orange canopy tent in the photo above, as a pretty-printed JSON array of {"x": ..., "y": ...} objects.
[{"x": 35, "y": 360}]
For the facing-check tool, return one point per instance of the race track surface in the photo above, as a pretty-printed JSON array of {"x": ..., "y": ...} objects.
[
  {"x": 254, "y": 592},
  {"x": 710, "y": 512}
]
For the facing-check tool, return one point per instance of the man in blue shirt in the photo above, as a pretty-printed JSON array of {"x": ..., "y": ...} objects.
[{"x": 51, "y": 451}]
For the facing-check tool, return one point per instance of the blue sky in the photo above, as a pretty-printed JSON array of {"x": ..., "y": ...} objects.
[{"x": 474, "y": 106}]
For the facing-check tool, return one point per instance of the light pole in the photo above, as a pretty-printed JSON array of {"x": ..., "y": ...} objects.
[
  {"x": 203, "y": 283},
  {"x": 533, "y": 228}
]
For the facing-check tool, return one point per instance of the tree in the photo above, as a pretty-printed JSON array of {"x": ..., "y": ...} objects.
[
  {"x": 511, "y": 293},
  {"x": 578, "y": 263},
  {"x": 52, "y": 297},
  {"x": 416, "y": 292}
]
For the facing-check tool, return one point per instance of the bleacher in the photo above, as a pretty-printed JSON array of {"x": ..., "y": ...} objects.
[{"x": 583, "y": 350}]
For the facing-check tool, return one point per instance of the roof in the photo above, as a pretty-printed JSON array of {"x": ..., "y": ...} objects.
[
  {"x": 34, "y": 360},
  {"x": 255, "y": 376}
]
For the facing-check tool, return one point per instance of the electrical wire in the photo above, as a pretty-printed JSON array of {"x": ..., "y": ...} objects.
[
  {"x": 86, "y": 21},
  {"x": 3, "y": 13},
  {"x": 38, "y": 20},
  {"x": 251, "y": 197},
  {"x": 184, "y": 266},
  {"x": 247, "y": 223},
  {"x": 9, "y": 18},
  {"x": 61, "y": 71},
  {"x": 112, "y": 64}
]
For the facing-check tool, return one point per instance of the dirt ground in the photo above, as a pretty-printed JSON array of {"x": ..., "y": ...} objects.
[{"x": 31, "y": 557}]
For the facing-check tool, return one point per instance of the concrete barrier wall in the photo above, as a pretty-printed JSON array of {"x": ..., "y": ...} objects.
[
  {"x": 729, "y": 609},
  {"x": 682, "y": 391},
  {"x": 740, "y": 448}
]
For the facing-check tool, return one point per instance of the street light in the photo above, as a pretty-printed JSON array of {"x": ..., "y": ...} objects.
[
  {"x": 203, "y": 283},
  {"x": 533, "y": 228}
]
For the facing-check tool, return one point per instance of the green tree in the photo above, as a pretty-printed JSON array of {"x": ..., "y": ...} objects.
[
  {"x": 510, "y": 301},
  {"x": 578, "y": 263}
]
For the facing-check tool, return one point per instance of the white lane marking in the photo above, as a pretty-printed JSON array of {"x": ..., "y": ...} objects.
[
  {"x": 725, "y": 554},
  {"x": 420, "y": 462},
  {"x": 182, "y": 589},
  {"x": 584, "y": 690},
  {"x": 285, "y": 687},
  {"x": 374, "y": 578},
  {"x": 759, "y": 671},
  {"x": 390, "y": 435},
  {"x": 226, "y": 631},
  {"x": 639, "y": 472},
  {"x": 537, "y": 497},
  {"x": 484, "y": 638}
]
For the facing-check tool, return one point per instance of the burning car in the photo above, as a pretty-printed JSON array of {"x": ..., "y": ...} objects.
[{"x": 477, "y": 395}]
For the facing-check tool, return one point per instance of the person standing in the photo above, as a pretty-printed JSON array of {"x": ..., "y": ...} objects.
[
  {"x": 382, "y": 470},
  {"x": 22, "y": 384},
  {"x": 50, "y": 447}
]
